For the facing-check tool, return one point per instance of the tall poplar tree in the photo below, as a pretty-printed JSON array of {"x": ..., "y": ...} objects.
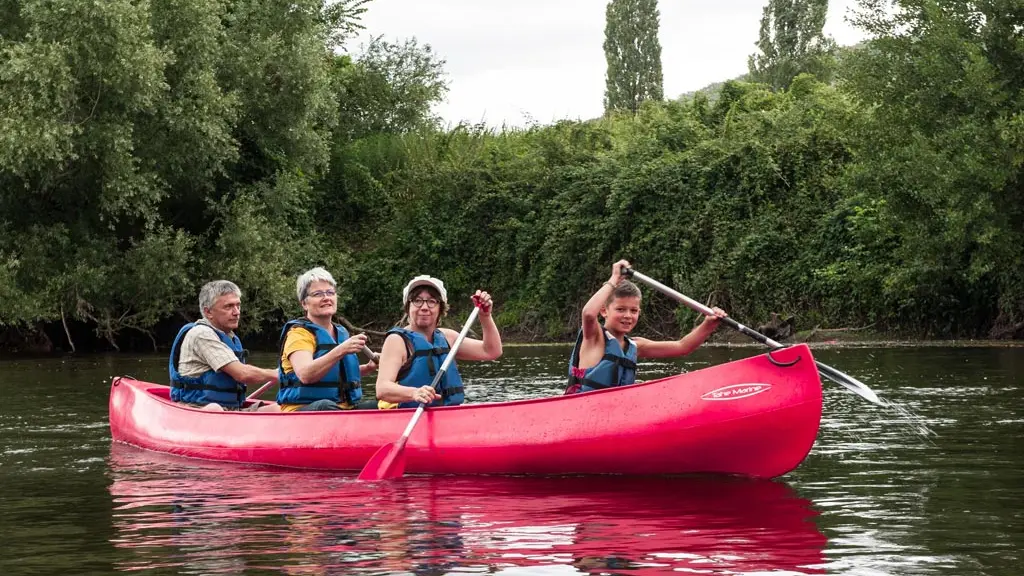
[
  {"x": 792, "y": 42},
  {"x": 633, "y": 53}
]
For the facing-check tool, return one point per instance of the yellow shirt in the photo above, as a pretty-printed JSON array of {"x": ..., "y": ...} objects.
[{"x": 297, "y": 339}]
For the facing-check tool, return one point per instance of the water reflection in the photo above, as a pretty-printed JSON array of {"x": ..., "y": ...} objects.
[{"x": 196, "y": 517}]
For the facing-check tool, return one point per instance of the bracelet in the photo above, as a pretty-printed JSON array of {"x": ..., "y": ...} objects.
[{"x": 610, "y": 284}]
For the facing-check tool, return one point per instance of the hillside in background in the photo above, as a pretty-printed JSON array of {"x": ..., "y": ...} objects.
[{"x": 711, "y": 91}]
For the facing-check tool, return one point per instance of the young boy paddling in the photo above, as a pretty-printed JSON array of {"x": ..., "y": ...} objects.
[{"x": 604, "y": 356}]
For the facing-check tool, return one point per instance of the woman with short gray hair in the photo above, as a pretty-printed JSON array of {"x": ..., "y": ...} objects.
[
  {"x": 310, "y": 276},
  {"x": 317, "y": 364}
]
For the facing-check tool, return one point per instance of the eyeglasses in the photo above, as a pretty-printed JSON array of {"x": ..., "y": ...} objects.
[
  {"x": 321, "y": 294},
  {"x": 430, "y": 303}
]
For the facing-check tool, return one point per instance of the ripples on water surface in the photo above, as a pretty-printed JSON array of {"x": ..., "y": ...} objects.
[
  {"x": 929, "y": 485},
  {"x": 168, "y": 511}
]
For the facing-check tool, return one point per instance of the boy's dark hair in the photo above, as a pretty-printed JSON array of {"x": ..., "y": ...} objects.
[{"x": 624, "y": 289}]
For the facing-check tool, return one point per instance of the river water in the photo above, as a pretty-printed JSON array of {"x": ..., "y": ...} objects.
[{"x": 932, "y": 484}]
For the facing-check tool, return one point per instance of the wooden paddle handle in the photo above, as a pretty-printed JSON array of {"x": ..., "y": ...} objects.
[
  {"x": 260, "y": 390},
  {"x": 841, "y": 378},
  {"x": 370, "y": 354}
]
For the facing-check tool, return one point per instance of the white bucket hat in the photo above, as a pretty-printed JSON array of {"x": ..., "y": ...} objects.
[{"x": 424, "y": 280}]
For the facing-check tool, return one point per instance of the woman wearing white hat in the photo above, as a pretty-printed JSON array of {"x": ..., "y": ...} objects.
[{"x": 412, "y": 355}]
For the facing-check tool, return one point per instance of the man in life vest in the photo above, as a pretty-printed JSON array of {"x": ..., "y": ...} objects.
[
  {"x": 317, "y": 366},
  {"x": 208, "y": 364},
  {"x": 413, "y": 354},
  {"x": 604, "y": 356}
]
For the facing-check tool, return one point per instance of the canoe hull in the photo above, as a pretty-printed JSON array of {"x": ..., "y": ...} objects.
[{"x": 754, "y": 417}]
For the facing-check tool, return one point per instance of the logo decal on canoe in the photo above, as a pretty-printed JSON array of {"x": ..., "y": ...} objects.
[{"x": 736, "y": 391}]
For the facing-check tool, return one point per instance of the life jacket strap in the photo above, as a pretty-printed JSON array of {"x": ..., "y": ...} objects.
[
  {"x": 296, "y": 383},
  {"x": 596, "y": 385},
  {"x": 621, "y": 361},
  {"x": 200, "y": 386},
  {"x": 577, "y": 380},
  {"x": 447, "y": 392},
  {"x": 436, "y": 351}
]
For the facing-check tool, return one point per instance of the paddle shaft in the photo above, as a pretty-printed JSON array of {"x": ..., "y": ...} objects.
[
  {"x": 829, "y": 372},
  {"x": 440, "y": 374},
  {"x": 370, "y": 354},
  {"x": 259, "y": 391},
  {"x": 702, "y": 308}
]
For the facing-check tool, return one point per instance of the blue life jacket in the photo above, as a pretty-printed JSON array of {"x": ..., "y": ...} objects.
[
  {"x": 333, "y": 386},
  {"x": 616, "y": 368},
  {"x": 425, "y": 359},
  {"x": 210, "y": 386}
]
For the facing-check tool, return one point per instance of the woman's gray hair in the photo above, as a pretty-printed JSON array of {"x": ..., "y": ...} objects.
[
  {"x": 317, "y": 274},
  {"x": 210, "y": 291}
]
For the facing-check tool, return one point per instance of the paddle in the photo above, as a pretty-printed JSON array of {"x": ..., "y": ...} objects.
[
  {"x": 259, "y": 391},
  {"x": 389, "y": 460},
  {"x": 827, "y": 371},
  {"x": 370, "y": 354}
]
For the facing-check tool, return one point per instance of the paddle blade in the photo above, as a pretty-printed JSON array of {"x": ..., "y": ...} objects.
[
  {"x": 849, "y": 382},
  {"x": 387, "y": 463}
]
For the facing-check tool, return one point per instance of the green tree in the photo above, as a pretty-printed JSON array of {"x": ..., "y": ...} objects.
[
  {"x": 792, "y": 42},
  {"x": 943, "y": 151},
  {"x": 388, "y": 88},
  {"x": 135, "y": 136},
  {"x": 633, "y": 53}
]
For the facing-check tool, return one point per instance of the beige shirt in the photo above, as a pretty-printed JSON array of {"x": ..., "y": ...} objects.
[{"x": 202, "y": 350}]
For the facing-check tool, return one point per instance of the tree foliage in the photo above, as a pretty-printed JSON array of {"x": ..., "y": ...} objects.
[
  {"x": 633, "y": 54},
  {"x": 146, "y": 148},
  {"x": 950, "y": 75},
  {"x": 792, "y": 42},
  {"x": 128, "y": 132},
  {"x": 388, "y": 88}
]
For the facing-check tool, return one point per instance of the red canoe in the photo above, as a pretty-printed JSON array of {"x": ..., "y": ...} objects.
[{"x": 753, "y": 417}]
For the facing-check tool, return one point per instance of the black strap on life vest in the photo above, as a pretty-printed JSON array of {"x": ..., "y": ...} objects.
[
  {"x": 411, "y": 354},
  {"x": 445, "y": 393},
  {"x": 621, "y": 362}
]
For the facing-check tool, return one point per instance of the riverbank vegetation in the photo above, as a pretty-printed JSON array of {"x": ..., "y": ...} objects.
[{"x": 148, "y": 147}]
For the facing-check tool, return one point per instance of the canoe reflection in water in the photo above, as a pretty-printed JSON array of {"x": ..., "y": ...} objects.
[{"x": 192, "y": 516}]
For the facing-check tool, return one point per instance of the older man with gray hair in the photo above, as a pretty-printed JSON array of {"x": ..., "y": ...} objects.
[{"x": 208, "y": 364}]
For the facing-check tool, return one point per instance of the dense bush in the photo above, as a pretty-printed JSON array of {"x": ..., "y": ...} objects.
[{"x": 145, "y": 150}]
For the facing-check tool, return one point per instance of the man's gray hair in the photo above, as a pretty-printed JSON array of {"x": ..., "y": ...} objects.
[
  {"x": 317, "y": 274},
  {"x": 210, "y": 291}
]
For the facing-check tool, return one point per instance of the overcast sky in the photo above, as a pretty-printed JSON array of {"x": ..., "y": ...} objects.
[{"x": 516, "y": 61}]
